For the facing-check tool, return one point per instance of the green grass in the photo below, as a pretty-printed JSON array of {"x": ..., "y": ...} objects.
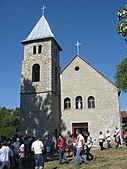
[{"x": 106, "y": 159}]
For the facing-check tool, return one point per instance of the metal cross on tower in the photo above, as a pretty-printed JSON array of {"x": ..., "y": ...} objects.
[
  {"x": 43, "y": 10},
  {"x": 78, "y": 47}
]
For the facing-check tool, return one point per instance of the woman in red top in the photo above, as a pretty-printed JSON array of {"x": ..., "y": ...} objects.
[{"x": 61, "y": 146}]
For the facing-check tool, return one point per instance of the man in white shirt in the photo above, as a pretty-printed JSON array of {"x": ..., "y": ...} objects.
[
  {"x": 38, "y": 147},
  {"x": 108, "y": 138},
  {"x": 4, "y": 156},
  {"x": 117, "y": 132},
  {"x": 101, "y": 140},
  {"x": 89, "y": 145},
  {"x": 117, "y": 137},
  {"x": 80, "y": 147}
]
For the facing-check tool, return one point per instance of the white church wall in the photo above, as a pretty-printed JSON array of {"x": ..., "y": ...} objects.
[{"x": 87, "y": 82}]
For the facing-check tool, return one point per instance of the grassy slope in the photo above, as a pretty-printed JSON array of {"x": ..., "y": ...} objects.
[{"x": 106, "y": 159}]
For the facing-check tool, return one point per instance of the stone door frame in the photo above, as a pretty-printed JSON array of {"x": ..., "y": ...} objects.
[{"x": 79, "y": 126}]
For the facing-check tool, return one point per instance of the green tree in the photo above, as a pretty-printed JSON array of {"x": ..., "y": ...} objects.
[
  {"x": 121, "y": 69},
  {"x": 122, "y": 26},
  {"x": 121, "y": 75},
  {"x": 9, "y": 121}
]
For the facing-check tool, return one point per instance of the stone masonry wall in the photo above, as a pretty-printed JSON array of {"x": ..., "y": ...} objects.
[
  {"x": 88, "y": 82},
  {"x": 35, "y": 114},
  {"x": 44, "y": 60},
  {"x": 40, "y": 108}
]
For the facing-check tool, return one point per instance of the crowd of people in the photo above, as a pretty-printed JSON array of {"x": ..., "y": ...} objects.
[
  {"x": 14, "y": 150},
  {"x": 107, "y": 138}
]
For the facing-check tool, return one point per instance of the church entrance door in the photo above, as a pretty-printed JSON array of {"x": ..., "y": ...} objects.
[{"x": 82, "y": 126}]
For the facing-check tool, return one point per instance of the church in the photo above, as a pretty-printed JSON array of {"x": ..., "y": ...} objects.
[{"x": 51, "y": 100}]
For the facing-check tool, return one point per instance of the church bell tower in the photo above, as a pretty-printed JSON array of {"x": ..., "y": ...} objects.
[{"x": 40, "y": 83}]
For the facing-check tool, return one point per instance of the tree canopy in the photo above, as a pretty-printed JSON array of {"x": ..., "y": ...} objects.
[
  {"x": 122, "y": 17},
  {"x": 121, "y": 75},
  {"x": 9, "y": 121},
  {"x": 121, "y": 69}
]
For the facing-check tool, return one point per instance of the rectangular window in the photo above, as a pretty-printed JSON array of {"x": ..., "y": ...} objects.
[{"x": 56, "y": 75}]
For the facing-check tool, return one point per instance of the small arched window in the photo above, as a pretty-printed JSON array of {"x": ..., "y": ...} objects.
[
  {"x": 67, "y": 103},
  {"x": 34, "y": 50},
  {"x": 39, "y": 49},
  {"x": 91, "y": 102},
  {"x": 36, "y": 73},
  {"x": 79, "y": 103}
]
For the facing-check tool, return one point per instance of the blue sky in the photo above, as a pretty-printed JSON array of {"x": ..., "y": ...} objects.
[{"x": 91, "y": 22}]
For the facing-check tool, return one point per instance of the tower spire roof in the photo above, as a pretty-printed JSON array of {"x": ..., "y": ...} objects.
[{"x": 40, "y": 31}]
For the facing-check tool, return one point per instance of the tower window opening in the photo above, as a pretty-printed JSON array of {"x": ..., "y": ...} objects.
[
  {"x": 36, "y": 73},
  {"x": 34, "y": 50},
  {"x": 39, "y": 49}
]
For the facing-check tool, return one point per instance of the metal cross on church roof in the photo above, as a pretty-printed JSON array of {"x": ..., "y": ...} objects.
[
  {"x": 43, "y": 10},
  {"x": 78, "y": 47}
]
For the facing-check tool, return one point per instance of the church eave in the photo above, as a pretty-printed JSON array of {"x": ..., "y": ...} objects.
[{"x": 25, "y": 42}]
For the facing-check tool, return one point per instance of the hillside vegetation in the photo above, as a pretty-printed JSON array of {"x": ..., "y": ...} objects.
[{"x": 9, "y": 121}]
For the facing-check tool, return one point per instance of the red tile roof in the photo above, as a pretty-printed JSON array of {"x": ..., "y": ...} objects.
[{"x": 123, "y": 114}]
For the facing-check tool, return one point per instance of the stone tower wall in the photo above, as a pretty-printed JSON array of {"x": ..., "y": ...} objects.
[{"x": 40, "y": 108}]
